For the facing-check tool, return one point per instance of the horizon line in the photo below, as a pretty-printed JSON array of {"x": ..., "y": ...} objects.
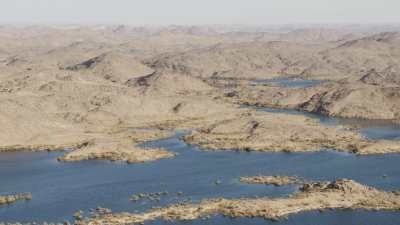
[{"x": 20, "y": 23}]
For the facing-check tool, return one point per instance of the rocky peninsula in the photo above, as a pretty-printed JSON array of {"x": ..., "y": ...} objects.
[{"x": 271, "y": 132}]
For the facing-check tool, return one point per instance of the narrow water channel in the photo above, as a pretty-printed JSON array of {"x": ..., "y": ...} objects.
[{"x": 290, "y": 82}]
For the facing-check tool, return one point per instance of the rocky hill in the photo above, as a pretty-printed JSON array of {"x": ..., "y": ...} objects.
[
  {"x": 356, "y": 57},
  {"x": 375, "y": 95},
  {"x": 252, "y": 60}
]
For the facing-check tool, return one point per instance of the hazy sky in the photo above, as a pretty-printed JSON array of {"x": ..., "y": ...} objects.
[{"x": 200, "y": 11}]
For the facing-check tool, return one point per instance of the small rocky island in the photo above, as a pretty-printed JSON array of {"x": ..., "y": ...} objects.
[
  {"x": 270, "y": 180},
  {"x": 10, "y": 199}
]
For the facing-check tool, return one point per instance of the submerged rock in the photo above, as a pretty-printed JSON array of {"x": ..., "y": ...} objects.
[{"x": 155, "y": 196}]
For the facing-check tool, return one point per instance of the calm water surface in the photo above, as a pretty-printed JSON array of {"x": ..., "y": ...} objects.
[
  {"x": 290, "y": 82},
  {"x": 60, "y": 189}
]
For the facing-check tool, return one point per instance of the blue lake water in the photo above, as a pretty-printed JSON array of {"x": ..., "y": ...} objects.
[
  {"x": 60, "y": 189},
  {"x": 325, "y": 218},
  {"x": 290, "y": 82}
]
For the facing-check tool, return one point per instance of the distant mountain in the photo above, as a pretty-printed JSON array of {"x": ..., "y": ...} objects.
[
  {"x": 252, "y": 60},
  {"x": 356, "y": 57},
  {"x": 261, "y": 60}
]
